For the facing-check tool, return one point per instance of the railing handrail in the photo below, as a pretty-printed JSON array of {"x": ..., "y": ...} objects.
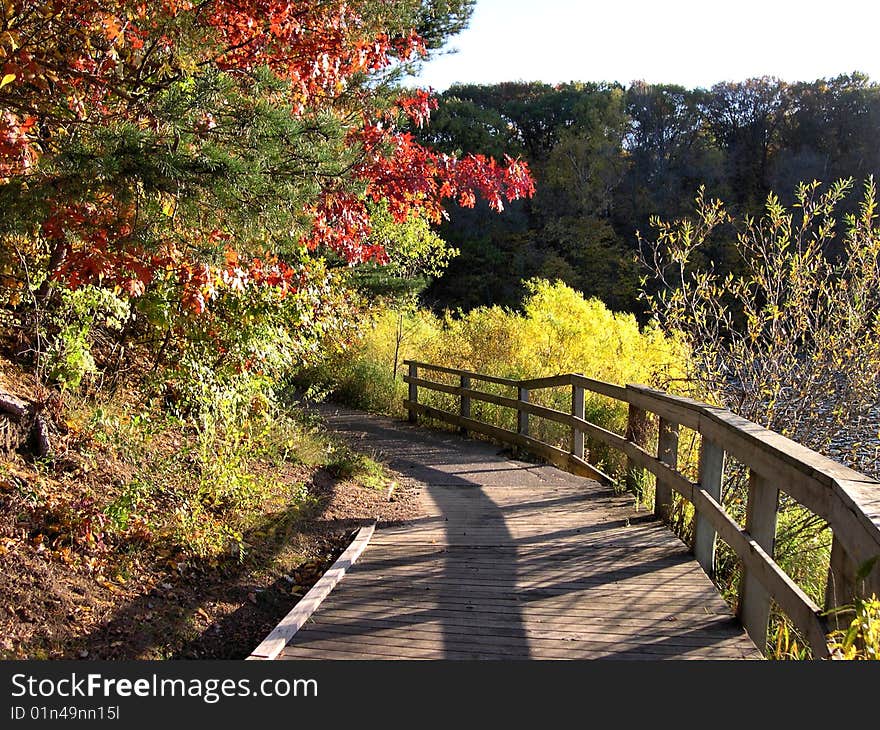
[
  {"x": 846, "y": 484},
  {"x": 847, "y": 500}
]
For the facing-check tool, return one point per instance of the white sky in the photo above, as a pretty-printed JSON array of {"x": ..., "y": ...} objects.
[{"x": 685, "y": 42}]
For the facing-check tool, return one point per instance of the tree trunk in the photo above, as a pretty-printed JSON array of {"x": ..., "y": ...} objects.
[{"x": 21, "y": 428}]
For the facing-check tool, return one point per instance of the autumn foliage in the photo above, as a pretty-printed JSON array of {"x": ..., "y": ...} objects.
[{"x": 216, "y": 144}]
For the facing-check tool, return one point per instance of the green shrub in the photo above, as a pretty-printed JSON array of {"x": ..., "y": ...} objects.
[
  {"x": 369, "y": 385},
  {"x": 75, "y": 321}
]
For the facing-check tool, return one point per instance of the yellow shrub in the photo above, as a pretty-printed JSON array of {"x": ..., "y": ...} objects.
[{"x": 557, "y": 331}]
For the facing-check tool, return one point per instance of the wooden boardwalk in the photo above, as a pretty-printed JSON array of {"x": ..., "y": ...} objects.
[{"x": 513, "y": 560}]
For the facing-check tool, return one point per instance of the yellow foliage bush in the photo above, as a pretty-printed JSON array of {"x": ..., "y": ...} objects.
[
  {"x": 560, "y": 331},
  {"x": 557, "y": 331}
]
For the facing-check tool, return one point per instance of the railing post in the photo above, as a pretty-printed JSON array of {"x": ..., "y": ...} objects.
[
  {"x": 577, "y": 410},
  {"x": 413, "y": 390},
  {"x": 522, "y": 418},
  {"x": 711, "y": 476},
  {"x": 464, "y": 408},
  {"x": 754, "y": 601},
  {"x": 637, "y": 432},
  {"x": 667, "y": 452}
]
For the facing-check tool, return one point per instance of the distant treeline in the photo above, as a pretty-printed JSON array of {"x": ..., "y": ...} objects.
[{"x": 607, "y": 158}]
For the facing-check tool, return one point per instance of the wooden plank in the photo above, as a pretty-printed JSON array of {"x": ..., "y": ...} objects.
[
  {"x": 464, "y": 406},
  {"x": 569, "y": 538},
  {"x": 711, "y": 476},
  {"x": 515, "y": 648},
  {"x": 502, "y": 618},
  {"x": 783, "y": 449},
  {"x": 488, "y": 634},
  {"x": 412, "y": 648},
  {"x": 617, "y": 392},
  {"x": 544, "y": 583},
  {"x": 595, "y": 558},
  {"x": 598, "y": 557},
  {"x": 637, "y": 433},
  {"x": 524, "y": 406},
  {"x": 549, "y": 608},
  {"x": 667, "y": 452},
  {"x": 583, "y": 468},
  {"x": 609, "y": 438},
  {"x": 457, "y": 371},
  {"x": 348, "y": 653},
  {"x": 413, "y": 389},
  {"x": 499, "y": 400},
  {"x": 559, "y": 623},
  {"x": 577, "y": 410},
  {"x": 552, "y": 381},
  {"x": 683, "y": 411},
  {"x": 812, "y": 482},
  {"x": 754, "y": 600},
  {"x": 860, "y": 500},
  {"x": 542, "y": 576},
  {"x": 395, "y": 549},
  {"x": 432, "y": 385},
  {"x": 287, "y": 628},
  {"x": 458, "y": 586},
  {"x": 463, "y": 626},
  {"x": 522, "y": 415}
]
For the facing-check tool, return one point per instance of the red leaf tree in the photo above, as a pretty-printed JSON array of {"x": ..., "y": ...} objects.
[{"x": 213, "y": 143}]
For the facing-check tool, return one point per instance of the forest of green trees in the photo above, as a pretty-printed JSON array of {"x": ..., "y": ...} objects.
[{"x": 608, "y": 157}]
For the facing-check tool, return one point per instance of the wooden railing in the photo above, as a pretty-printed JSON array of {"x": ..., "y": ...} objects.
[{"x": 849, "y": 502}]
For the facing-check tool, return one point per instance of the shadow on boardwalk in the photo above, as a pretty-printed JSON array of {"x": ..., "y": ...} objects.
[{"x": 512, "y": 561}]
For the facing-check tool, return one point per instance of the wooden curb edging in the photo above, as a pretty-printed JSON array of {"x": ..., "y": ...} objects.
[{"x": 278, "y": 638}]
